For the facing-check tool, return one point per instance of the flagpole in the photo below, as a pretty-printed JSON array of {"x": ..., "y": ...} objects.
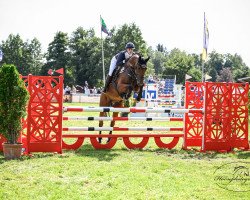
[
  {"x": 204, "y": 40},
  {"x": 202, "y": 72},
  {"x": 103, "y": 68}
]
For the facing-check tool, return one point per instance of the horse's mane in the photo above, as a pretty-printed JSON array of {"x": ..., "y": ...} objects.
[{"x": 141, "y": 59}]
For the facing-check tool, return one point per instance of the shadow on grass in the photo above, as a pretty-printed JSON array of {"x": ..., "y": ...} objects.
[
  {"x": 185, "y": 154},
  {"x": 102, "y": 154},
  {"x": 196, "y": 154},
  {"x": 108, "y": 154},
  {"x": 87, "y": 150},
  {"x": 34, "y": 155},
  {"x": 243, "y": 154},
  {"x": 2, "y": 159}
]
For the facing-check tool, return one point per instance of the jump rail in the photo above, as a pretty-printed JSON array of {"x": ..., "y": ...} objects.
[
  {"x": 160, "y": 101},
  {"x": 131, "y": 109},
  {"x": 122, "y": 129},
  {"x": 124, "y": 118}
]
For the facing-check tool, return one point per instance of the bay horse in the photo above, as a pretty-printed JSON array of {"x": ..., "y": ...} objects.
[{"x": 129, "y": 79}]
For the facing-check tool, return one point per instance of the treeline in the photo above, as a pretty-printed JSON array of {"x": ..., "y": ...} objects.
[{"x": 80, "y": 54}]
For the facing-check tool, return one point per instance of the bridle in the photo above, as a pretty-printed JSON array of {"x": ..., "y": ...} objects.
[{"x": 132, "y": 74}]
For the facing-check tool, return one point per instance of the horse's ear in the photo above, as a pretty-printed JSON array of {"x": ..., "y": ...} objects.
[
  {"x": 139, "y": 57},
  {"x": 146, "y": 60}
]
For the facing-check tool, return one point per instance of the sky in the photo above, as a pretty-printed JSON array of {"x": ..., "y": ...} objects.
[{"x": 173, "y": 23}]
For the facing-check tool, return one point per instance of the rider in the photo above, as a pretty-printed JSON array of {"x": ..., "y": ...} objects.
[{"x": 118, "y": 60}]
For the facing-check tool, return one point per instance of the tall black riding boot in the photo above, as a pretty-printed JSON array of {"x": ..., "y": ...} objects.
[{"x": 108, "y": 81}]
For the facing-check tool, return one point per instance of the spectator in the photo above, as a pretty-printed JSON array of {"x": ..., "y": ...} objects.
[
  {"x": 67, "y": 90},
  {"x": 86, "y": 84},
  {"x": 150, "y": 79},
  {"x": 94, "y": 90},
  {"x": 73, "y": 89}
]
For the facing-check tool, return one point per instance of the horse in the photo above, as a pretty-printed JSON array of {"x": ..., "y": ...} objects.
[{"x": 127, "y": 80}]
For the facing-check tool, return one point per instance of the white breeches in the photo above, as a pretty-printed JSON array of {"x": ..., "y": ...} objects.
[{"x": 112, "y": 65}]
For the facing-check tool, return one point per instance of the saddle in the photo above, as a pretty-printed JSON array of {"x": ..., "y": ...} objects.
[
  {"x": 118, "y": 70},
  {"x": 116, "y": 73}
]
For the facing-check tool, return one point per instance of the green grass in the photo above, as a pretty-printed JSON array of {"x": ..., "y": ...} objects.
[{"x": 119, "y": 173}]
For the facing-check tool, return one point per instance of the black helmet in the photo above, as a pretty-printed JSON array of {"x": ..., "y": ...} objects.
[{"x": 130, "y": 45}]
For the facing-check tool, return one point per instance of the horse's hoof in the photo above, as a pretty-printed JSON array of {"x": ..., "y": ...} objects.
[
  {"x": 108, "y": 140},
  {"x": 100, "y": 140}
]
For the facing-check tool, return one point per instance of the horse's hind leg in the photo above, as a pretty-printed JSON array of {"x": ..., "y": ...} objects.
[
  {"x": 115, "y": 114},
  {"x": 102, "y": 114},
  {"x": 104, "y": 101},
  {"x": 112, "y": 124}
]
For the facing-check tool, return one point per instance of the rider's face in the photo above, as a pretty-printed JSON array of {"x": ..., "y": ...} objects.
[{"x": 129, "y": 50}]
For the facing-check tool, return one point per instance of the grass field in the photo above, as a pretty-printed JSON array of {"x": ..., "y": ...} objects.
[{"x": 119, "y": 173}]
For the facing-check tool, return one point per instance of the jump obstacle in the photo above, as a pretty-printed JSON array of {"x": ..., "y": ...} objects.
[
  {"x": 215, "y": 118},
  {"x": 127, "y": 137}
]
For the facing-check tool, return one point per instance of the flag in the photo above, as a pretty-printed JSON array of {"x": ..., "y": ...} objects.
[
  {"x": 205, "y": 39},
  {"x": 1, "y": 55},
  {"x": 207, "y": 77},
  {"x": 188, "y": 77},
  {"x": 104, "y": 27},
  {"x": 50, "y": 72},
  {"x": 60, "y": 71}
]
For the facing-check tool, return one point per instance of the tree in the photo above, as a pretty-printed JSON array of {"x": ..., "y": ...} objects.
[
  {"x": 216, "y": 61},
  {"x": 58, "y": 56},
  {"x": 178, "y": 63},
  {"x": 238, "y": 67},
  {"x": 158, "y": 60},
  {"x": 12, "y": 49},
  {"x": 195, "y": 73},
  {"x": 36, "y": 55},
  {"x": 213, "y": 73},
  {"x": 225, "y": 75},
  {"x": 161, "y": 48},
  {"x": 197, "y": 60},
  {"x": 86, "y": 56},
  {"x": 234, "y": 63},
  {"x": 25, "y": 55},
  {"x": 128, "y": 33}
]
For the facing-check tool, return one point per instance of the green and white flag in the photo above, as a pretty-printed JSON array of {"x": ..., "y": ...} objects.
[{"x": 104, "y": 27}]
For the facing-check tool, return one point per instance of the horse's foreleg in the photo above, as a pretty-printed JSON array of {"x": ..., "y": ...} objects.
[
  {"x": 129, "y": 91},
  {"x": 139, "y": 94}
]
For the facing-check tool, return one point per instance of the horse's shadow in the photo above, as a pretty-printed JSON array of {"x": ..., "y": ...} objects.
[
  {"x": 197, "y": 154},
  {"x": 243, "y": 155},
  {"x": 87, "y": 150},
  {"x": 33, "y": 155},
  {"x": 2, "y": 159}
]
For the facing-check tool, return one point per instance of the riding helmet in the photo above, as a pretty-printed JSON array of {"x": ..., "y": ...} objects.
[{"x": 130, "y": 45}]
